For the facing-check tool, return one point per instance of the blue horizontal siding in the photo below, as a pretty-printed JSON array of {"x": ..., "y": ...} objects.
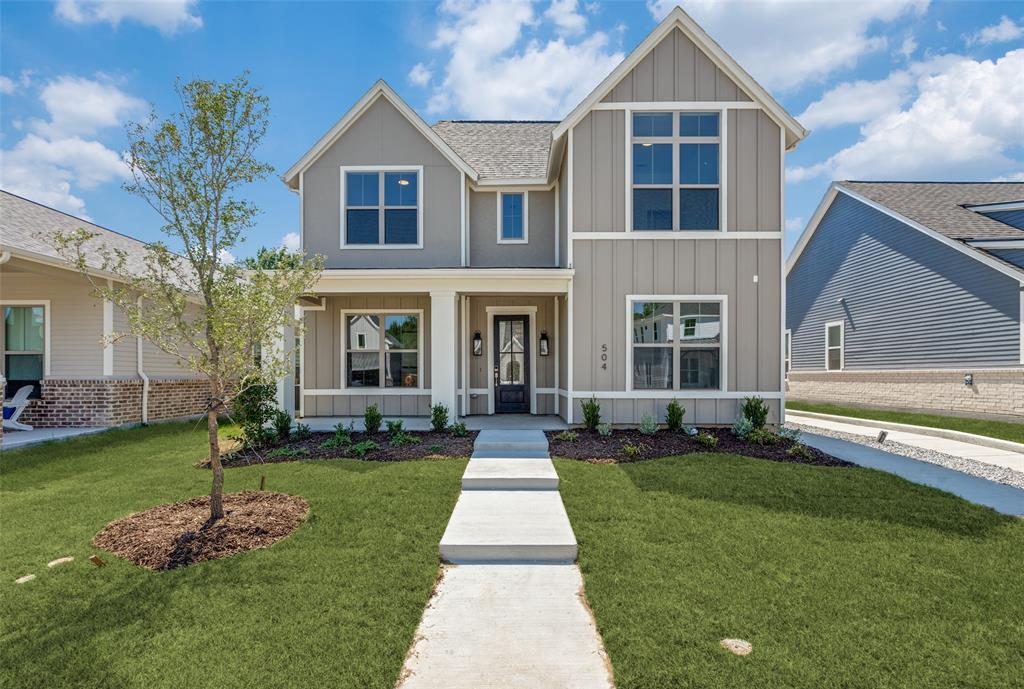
[
  {"x": 1014, "y": 256},
  {"x": 1012, "y": 218},
  {"x": 910, "y": 301}
]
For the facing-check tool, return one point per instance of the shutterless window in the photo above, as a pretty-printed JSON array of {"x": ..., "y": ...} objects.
[
  {"x": 383, "y": 350},
  {"x": 513, "y": 223},
  {"x": 24, "y": 342},
  {"x": 381, "y": 208},
  {"x": 676, "y": 181},
  {"x": 834, "y": 346},
  {"x": 676, "y": 345}
]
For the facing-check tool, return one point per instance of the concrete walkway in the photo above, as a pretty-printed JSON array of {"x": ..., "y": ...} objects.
[
  {"x": 509, "y": 610},
  {"x": 947, "y": 446},
  {"x": 16, "y": 439}
]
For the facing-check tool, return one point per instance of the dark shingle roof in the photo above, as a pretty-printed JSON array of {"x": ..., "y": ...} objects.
[
  {"x": 500, "y": 149},
  {"x": 940, "y": 205}
]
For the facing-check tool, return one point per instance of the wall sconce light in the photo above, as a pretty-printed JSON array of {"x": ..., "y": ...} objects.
[
  {"x": 969, "y": 379},
  {"x": 543, "y": 344},
  {"x": 478, "y": 344}
]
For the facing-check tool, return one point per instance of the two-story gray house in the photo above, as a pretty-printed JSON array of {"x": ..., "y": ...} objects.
[{"x": 631, "y": 252}]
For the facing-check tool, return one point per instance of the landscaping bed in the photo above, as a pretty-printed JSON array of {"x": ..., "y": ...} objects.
[
  {"x": 631, "y": 445},
  {"x": 179, "y": 534}
]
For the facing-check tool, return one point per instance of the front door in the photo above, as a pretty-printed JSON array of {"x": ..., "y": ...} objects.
[{"x": 511, "y": 364}]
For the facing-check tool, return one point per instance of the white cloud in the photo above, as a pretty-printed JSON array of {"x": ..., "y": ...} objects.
[
  {"x": 964, "y": 123},
  {"x": 292, "y": 241},
  {"x": 225, "y": 256},
  {"x": 785, "y": 44},
  {"x": 1012, "y": 177},
  {"x": 7, "y": 85},
  {"x": 80, "y": 106},
  {"x": 908, "y": 47},
  {"x": 1005, "y": 30},
  {"x": 167, "y": 16},
  {"x": 419, "y": 74},
  {"x": 794, "y": 224},
  {"x": 567, "y": 17},
  {"x": 498, "y": 66}
]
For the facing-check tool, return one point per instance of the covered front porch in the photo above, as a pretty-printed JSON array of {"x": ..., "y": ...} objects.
[
  {"x": 477, "y": 422},
  {"x": 482, "y": 342}
]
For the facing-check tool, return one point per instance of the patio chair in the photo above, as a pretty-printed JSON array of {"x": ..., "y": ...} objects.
[{"x": 14, "y": 407}]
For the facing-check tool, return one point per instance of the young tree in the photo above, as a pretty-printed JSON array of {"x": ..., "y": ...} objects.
[{"x": 202, "y": 309}]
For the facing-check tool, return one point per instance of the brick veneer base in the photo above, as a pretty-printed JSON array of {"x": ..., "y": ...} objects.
[
  {"x": 995, "y": 392},
  {"x": 73, "y": 402}
]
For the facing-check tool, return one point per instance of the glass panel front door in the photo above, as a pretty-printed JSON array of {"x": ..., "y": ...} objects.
[{"x": 511, "y": 364}]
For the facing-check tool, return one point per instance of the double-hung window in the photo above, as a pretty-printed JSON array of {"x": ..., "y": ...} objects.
[
  {"x": 834, "y": 341},
  {"x": 24, "y": 347},
  {"x": 382, "y": 208},
  {"x": 512, "y": 218},
  {"x": 382, "y": 350},
  {"x": 676, "y": 345},
  {"x": 676, "y": 170}
]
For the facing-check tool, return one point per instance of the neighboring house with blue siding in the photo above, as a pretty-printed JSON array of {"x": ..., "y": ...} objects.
[{"x": 910, "y": 295}]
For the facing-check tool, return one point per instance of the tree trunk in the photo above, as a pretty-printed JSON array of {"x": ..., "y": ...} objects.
[{"x": 217, "y": 491}]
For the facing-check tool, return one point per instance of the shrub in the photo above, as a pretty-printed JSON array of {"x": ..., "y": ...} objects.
[
  {"x": 762, "y": 436},
  {"x": 674, "y": 416},
  {"x": 402, "y": 438},
  {"x": 458, "y": 430},
  {"x": 790, "y": 434},
  {"x": 301, "y": 431},
  {"x": 342, "y": 437},
  {"x": 282, "y": 424},
  {"x": 706, "y": 439},
  {"x": 568, "y": 436},
  {"x": 800, "y": 451},
  {"x": 633, "y": 451},
  {"x": 436, "y": 449},
  {"x": 360, "y": 449},
  {"x": 756, "y": 411},
  {"x": 372, "y": 419},
  {"x": 591, "y": 414},
  {"x": 690, "y": 430},
  {"x": 604, "y": 430},
  {"x": 252, "y": 409},
  {"x": 439, "y": 417},
  {"x": 288, "y": 452},
  {"x": 394, "y": 427},
  {"x": 648, "y": 426},
  {"x": 742, "y": 428}
]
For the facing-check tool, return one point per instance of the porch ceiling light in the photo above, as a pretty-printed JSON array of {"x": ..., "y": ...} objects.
[{"x": 403, "y": 182}]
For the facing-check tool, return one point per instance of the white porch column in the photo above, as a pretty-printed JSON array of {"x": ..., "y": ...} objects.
[{"x": 443, "y": 351}]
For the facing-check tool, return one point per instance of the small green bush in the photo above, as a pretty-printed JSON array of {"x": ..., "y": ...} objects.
[
  {"x": 591, "y": 414},
  {"x": 790, "y": 434},
  {"x": 648, "y": 426},
  {"x": 604, "y": 430},
  {"x": 742, "y": 428},
  {"x": 252, "y": 409},
  {"x": 458, "y": 430},
  {"x": 756, "y": 411},
  {"x": 342, "y": 437},
  {"x": 372, "y": 419},
  {"x": 361, "y": 449},
  {"x": 282, "y": 424},
  {"x": 801, "y": 451},
  {"x": 436, "y": 449},
  {"x": 633, "y": 451},
  {"x": 396, "y": 426},
  {"x": 674, "y": 413},
  {"x": 403, "y": 438},
  {"x": 301, "y": 431},
  {"x": 762, "y": 436},
  {"x": 706, "y": 439},
  {"x": 439, "y": 417},
  {"x": 290, "y": 452},
  {"x": 567, "y": 436}
]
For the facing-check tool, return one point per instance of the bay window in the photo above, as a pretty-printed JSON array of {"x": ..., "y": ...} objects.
[
  {"x": 381, "y": 208},
  {"x": 676, "y": 345},
  {"x": 382, "y": 350}
]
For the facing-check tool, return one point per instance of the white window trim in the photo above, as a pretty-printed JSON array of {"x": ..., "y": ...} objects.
[
  {"x": 419, "y": 351},
  {"x": 787, "y": 353},
  {"x": 526, "y": 217},
  {"x": 676, "y": 140},
  {"x": 45, "y": 303},
  {"x": 723, "y": 382},
  {"x": 420, "y": 211},
  {"x": 492, "y": 311},
  {"x": 842, "y": 345}
]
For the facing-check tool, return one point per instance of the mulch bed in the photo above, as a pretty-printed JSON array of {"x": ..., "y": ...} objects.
[
  {"x": 428, "y": 444},
  {"x": 590, "y": 446},
  {"x": 177, "y": 534}
]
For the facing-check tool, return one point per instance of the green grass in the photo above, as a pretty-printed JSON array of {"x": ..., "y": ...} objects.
[
  {"x": 993, "y": 429},
  {"x": 839, "y": 577},
  {"x": 335, "y": 604}
]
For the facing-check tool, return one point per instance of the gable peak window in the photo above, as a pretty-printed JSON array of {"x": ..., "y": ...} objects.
[
  {"x": 513, "y": 226},
  {"x": 676, "y": 170},
  {"x": 382, "y": 207}
]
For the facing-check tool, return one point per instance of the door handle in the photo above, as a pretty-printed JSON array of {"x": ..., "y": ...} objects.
[{"x": 496, "y": 377}]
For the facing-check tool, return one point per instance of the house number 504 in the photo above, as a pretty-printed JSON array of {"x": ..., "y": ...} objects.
[{"x": 604, "y": 357}]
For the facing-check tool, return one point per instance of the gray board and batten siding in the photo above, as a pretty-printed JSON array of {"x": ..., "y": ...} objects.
[{"x": 484, "y": 249}]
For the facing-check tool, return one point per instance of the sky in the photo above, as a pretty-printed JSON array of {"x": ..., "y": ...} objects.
[{"x": 890, "y": 89}]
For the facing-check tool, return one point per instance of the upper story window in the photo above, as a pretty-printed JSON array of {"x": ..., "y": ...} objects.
[
  {"x": 834, "y": 342},
  {"x": 676, "y": 345},
  {"x": 512, "y": 219},
  {"x": 676, "y": 161},
  {"x": 383, "y": 208}
]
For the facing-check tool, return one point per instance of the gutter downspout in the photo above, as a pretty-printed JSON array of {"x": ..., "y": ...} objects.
[{"x": 142, "y": 374}]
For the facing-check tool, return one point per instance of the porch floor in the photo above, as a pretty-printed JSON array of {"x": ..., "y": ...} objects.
[
  {"x": 16, "y": 439},
  {"x": 508, "y": 422}
]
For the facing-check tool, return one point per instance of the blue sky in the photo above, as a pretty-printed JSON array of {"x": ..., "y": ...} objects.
[{"x": 895, "y": 89}]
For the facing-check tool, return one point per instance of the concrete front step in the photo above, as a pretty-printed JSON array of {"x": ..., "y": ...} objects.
[
  {"x": 507, "y": 474},
  {"x": 509, "y": 526},
  {"x": 507, "y": 442}
]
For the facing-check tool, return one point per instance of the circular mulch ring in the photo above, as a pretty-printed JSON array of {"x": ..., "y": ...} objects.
[{"x": 177, "y": 534}]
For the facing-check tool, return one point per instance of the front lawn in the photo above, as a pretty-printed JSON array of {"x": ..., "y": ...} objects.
[
  {"x": 838, "y": 577},
  {"x": 335, "y": 604},
  {"x": 993, "y": 429}
]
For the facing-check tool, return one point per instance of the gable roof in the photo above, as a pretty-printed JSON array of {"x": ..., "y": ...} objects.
[
  {"x": 935, "y": 209},
  {"x": 378, "y": 90},
  {"x": 678, "y": 19},
  {"x": 501, "y": 150}
]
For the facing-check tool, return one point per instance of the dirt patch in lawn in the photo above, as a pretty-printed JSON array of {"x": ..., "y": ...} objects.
[
  {"x": 418, "y": 445},
  {"x": 591, "y": 446},
  {"x": 178, "y": 534}
]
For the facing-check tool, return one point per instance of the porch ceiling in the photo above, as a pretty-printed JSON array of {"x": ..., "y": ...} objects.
[{"x": 461, "y": 280}]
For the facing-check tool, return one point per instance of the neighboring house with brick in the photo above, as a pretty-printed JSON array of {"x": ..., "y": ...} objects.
[
  {"x": 53, "y": 328},
  {"x": 631, "y": 252},
  {"x": 910, "y": 295}
]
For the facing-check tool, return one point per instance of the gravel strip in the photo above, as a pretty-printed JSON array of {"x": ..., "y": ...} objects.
[{"x": 967, "y": 466}]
